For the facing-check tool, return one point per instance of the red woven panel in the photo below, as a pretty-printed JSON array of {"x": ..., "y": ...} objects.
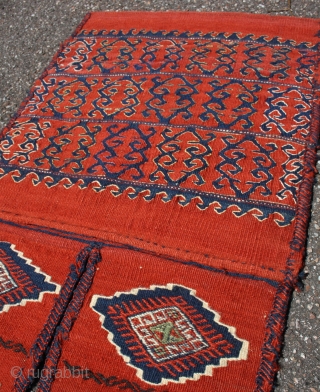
[{"x": 155, "y": 193}]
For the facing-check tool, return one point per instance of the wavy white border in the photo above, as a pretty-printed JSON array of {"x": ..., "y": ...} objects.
[{"x": 97, "y": 187}]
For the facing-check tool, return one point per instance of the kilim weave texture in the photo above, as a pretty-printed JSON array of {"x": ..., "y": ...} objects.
[{"x": 155, "y": 189}]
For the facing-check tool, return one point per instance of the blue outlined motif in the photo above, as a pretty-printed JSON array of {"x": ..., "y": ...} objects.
[
  {"x": 277, "y": 115},
  {"x": 107, "y": 106},
  {"x": 232, "y": 166},
  {"x": 54, "y": 153},
  {"x": 224, "y": 57},
  {"x": 124, "y": 151},
  {"x": 176, "y": 115},
  {"x": 167, "y": 333},
  {"x": 20, "y": 280},
  {"x": 255, "y": 62},
  {"x": 182, "y": 91},
  {"x": 293, "y": 169},
  {"x": 169, "y": 61},
  {"x": 104, "y": 57},
  {"x": 80, "y": 57},
  {"x": 241, "y": 113},
  {"x": 173, "y": 151}
]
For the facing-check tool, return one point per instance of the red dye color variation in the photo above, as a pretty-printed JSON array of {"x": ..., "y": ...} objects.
[{"x": 155, "y": 194}]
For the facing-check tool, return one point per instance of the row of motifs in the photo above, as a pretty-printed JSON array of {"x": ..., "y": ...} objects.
[
  {"x": 244, "y": 59},
  {"x": 239, "y": 165},
  {"x": 178, "y": 100}
]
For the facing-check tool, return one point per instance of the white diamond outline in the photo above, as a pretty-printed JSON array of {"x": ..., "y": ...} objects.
[
  {"x": 223, "y": 362},
  {"x": 47, "y": 278}
]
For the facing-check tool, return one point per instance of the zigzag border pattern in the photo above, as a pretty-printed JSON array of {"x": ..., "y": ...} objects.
[
  {"x": 274, "y": 41},
  {"x": 259, "y": 209}
]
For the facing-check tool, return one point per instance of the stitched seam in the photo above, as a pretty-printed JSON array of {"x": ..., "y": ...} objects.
[
  {"x": 206, "y": 255},
  {"x": 118, "y": 245}
]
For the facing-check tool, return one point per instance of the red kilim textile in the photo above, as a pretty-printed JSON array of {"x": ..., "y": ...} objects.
[{"x": 155, "y": 195}]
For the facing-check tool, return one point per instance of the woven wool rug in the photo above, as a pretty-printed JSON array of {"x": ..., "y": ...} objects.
[{"x": 155, "y": 195}]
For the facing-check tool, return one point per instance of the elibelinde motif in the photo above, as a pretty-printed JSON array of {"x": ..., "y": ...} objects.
[
  {"x": 167, "y": 333},
  {"x": 20, "y": 280},
  {"x": 187, "y": 116}
]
